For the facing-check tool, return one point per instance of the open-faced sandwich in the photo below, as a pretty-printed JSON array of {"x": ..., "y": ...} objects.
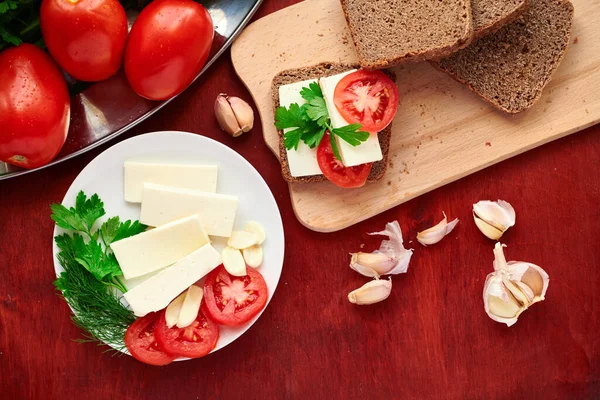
[{"x": 334, "y": 123}]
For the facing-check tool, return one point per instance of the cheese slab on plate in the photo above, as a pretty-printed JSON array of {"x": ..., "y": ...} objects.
[{"x": 104, "y": 176}]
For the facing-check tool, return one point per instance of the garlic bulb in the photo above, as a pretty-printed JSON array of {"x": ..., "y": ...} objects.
[
  {"x": 512, "y": 288},
  {"x": 371, "y": 292},
  {"x": 391, "y": 258},
  {"x": 436, "y": 233},
  {"x": 493, "y": 218}
]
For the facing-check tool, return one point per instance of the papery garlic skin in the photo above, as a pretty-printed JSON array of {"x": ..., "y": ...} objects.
[
  {"x": 371, "y": 292},
  {"x": 233, "y": 114},
  {"x": 391, "y": 258},
  {"x": 493, "y": 218},
  {"x": 512, "y": 288},
  {"x": 436, "y": 233}
]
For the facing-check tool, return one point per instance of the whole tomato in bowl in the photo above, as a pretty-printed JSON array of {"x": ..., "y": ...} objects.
[
  {"x": 167, "y": 47},
  {"x": 34, "y": 107},
  {"x": 85, "y": 37}
]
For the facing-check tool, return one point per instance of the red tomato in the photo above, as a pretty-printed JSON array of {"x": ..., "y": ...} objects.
[
  {"x": 141, "y": 341},
  {"x": 234, "y": 300},
  {"x": 336, "y": 172},
  {"x": 369, "y": 98},
  {"x": 167, "y": 47},
  {"x": 85, "y": 37},
  {"x": 194, "y": 341},
  {"x": 34, "y": 107}
]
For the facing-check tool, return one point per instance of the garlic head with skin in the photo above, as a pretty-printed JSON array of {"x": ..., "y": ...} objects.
[
  {"x": 493, "y": 218},
  {"x": 233, "y": 114},
  {"x": 391, "y": 258},
  {"x": 371, "y": 292},
  {"x": 512, "y": 288},
  {"x": 436, "y": 233}
]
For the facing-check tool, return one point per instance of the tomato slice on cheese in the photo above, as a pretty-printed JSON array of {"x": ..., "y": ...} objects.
[
  {"x": 193, "y": 341},
  {"x": 141, "y": 341},
  {"x": 234, "y": 300},
  {"x": 369, "y": 98},
  {"x": 336, "y": 172}
]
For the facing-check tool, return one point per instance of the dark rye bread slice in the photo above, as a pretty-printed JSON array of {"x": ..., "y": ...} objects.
[
  {"x": 491, "y": 15},
  {"x": 387, "y": 33},
  {"x": 511, "y": 67},
  {"x": 320, "y": 71}
]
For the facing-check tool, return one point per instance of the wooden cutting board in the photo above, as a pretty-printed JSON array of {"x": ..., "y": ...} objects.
[{"x": 441, "y": 133}]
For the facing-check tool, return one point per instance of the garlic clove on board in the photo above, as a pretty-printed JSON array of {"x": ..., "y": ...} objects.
[
  {"x": 436, "y": 233},
  {"x": 391, "y": 258},
  {"x": 493, "y": 218},
  {"x": 512, "y": 287},
  {"x": 371, "y": 292}
]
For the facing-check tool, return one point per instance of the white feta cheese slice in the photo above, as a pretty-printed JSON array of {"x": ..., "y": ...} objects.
[
  {"x": 157, "y": 248},
  {"x": 163, "y": 204},
  {"x": 186, "y": 176},
  {"x": 303, "y": 161},
  {"x": 158, "y": 291},
  {"x": 368, "y": 151}
]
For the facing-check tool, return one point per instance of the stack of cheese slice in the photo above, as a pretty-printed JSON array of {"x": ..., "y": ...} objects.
[{"x": 181, "y": 203}]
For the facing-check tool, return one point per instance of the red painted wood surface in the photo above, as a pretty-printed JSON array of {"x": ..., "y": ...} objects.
[{"x": 430, "y": 340}]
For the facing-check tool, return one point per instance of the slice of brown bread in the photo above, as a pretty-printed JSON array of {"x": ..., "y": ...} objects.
[
  {"x": 387, "y": 33},
  {"x": 491, "y": 15},
  {"x": 319, "y": 71},
  {"x": 511, "y": 67}
]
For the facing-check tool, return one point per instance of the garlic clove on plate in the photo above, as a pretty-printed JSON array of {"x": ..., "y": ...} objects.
[
  {"x": 393, "y": 248},
  {"x": 493, "y": 218},
  {"x": 253, "y": 256},
  {"x": 173, "y": 310},
  {"x": 233, "y": 261},
  {"x": 190, "y": 307},
  {"x": 257, "y": 229},
  {"x": 371, "y": 292},
  {"x": 512, "y": 287},
  {"x": 241, "y": 240},
  {"x": 436, "y": 233}
]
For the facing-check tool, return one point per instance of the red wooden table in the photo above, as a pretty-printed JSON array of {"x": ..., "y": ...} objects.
[{"x": 430, "y": 339}]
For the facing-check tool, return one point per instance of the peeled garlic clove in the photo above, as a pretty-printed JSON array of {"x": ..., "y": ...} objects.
[
  {"x": 371, "y": 292},
  {"x": 173, "y": 310},
  {"x": 372, "y": 264},
  {"x": 233, "y": 261},
  {"x": 190, "y": 306},
  {"x": 258, "y": 231},
  {"x": 500, "y": 305},
  {"x": 242, "y": 240},
  {"x": 226, "y": 117},
  {"x": 496, "y": 214},
  {"x": 243, "y": 113},
  {"x": 253, "y": 256},
  {"x": 436, "y": 233}
]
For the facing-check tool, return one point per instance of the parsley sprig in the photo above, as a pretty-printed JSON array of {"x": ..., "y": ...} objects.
[
  {"x": 310, "y": 122},
  {"x": 90, "y": 253}
]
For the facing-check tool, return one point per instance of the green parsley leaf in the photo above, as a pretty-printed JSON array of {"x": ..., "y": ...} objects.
[
  {"x": 90, "y": 255},
  {"x": 291, "y": 117},
  {"x": 127, "y": 229},
  {"x": 313, "y": 91},
  {"x": 351, "y": 134},
  {"x": 109, "y": 230},
  {"x": 313, "y": 140},
  {"x": 89, "y": 210},
  {"x": 82, "y": 217},
  {"x": 317, "y": 111},
  {"x": 66, "y": 218},
  {"x": 292, "y": 138}
]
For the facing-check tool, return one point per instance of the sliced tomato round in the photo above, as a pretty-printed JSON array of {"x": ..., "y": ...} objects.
[
  {"x": 234, "y": 300},
  {"x": 369, "y": 98},
  {"x": 336, "y": 172},
  {"x": 141, "y": 341},
  {"x": 193, "y": 341}
]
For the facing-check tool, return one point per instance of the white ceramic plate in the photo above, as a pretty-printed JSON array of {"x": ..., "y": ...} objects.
[{"x": 104, "y": 176}]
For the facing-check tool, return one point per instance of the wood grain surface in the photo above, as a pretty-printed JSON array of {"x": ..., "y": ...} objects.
[
  {"x": 429, "y": 340},
  {"x": 441, "y": 132}
]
